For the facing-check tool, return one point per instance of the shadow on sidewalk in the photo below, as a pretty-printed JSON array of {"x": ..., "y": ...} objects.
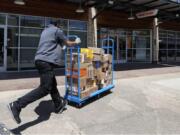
[{"x": 43, "y": 111}]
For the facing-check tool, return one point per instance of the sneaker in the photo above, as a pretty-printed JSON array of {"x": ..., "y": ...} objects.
[
  {"x": 15, "y": 112},
  {"x": 60, "y": 107}
]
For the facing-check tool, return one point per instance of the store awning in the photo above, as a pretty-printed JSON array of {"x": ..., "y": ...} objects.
[{"x": 168, "y": 9}]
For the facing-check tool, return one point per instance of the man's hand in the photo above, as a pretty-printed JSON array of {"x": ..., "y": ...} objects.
[
  {"x": 78, "y": 41},
  {"x": 72, "y": 43}
]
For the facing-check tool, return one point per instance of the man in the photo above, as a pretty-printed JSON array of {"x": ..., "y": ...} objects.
[{"x": 48, "y": 55}]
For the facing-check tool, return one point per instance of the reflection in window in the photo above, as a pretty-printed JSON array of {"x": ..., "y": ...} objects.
[
  {"x": 30, "y": 37},
  {"x": 178, "y": 43},
  {"x": 129, "y": 55},
  {"x": 141, "y": 55},
  {"x": 169, "y": 46},
  {"x": 129, "y": 42},
  {"x": 27, "y": 58},
  {"x": 2, "y": 19},
  {"x": 163, "y": 43},
  {"x": 171, "y": 55},
  {"x": 31, "y": 21},
  {"x": 178, "y": 56},
  {"x": 141, "y": 42},
  {"x": 13, "y": 34},
  {"x": 162, "y": 55},
  {"x": 141, "y": 33},
  {"x": 13, "y": 20},
  {"x": 12, "y": 59},
  {"x": 77, "y": 25},
  {"x": 171, "y": 43},
  {"x": 163, "y": 34}
]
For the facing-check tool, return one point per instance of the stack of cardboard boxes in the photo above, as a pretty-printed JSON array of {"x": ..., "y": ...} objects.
[{"x": 95, "y": 71}]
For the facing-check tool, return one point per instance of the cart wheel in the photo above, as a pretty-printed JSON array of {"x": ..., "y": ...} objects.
[{"x": 79, "y": 105}]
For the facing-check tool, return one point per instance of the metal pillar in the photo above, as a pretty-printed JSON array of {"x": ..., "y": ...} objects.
[
  {"x": 155, "y": 48},
  {"x": 92, "y": 28}
]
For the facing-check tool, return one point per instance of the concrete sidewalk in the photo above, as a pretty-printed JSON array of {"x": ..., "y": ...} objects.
[
  {"x": 29, "y": 80},
  {"x": 138, "y": 105}
]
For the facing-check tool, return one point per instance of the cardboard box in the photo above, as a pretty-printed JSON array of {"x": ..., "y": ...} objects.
[
  {"x": 83, "y": 72},
  {"x": 85, "y": 93},
  {"x": 88, "y": 91},
  {"x": 83, "y": 82},
  {"x": 97, "y": 71},
  {"x": 97, "y": 57},
  {"x": 105, "y": 64},
  {"x": 100, "y": 75},
  {"x": 74, "y": 58},
  {"x": 90, "y": 83},
  {"x": 97, "y": 50},
  {"x": 107, "y": 58},
  {"x": 82, "y": 65}
]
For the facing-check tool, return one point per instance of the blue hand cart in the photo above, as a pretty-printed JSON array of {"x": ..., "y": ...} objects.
[{"x": 69, "y": 73}]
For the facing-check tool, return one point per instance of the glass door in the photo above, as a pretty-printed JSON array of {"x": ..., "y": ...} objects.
[
  {"x": 122, "y": 49},
  {"x": 2, "y": 49}
]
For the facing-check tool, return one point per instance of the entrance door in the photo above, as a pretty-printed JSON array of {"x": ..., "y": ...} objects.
[
  {"x": 2, "y": 49},
  {"x": 122, "y": 49}
]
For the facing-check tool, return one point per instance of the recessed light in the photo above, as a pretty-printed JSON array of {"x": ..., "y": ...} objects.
[{"x": 19, "y": 2}]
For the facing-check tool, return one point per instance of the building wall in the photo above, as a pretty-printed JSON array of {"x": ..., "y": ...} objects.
[
  {"x": 47, "y": 8},
  {"x": 23, "y": 34},
  {"x": 60, "y": 9},
  {"x": 20, "y": 54}
]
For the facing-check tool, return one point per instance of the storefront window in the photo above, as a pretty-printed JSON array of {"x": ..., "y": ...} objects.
[
  {"x": 129, "y": 55},
  {"x": 178, "y": 34},
  {"x": 140, "y": 55},
  {"x": 162, "y": 55},
  {"x": 171, "y": 34},
  {"x": 163, "y": 34},
  {"x": 12, "y": 59},
  {"x": 163, "y": 43},
  {"x": 31, "y": 21},
  {"x": 132, "y": 46},
  {"x": 178, "y": 43},
  {"x": 27, "y": 58},
  {"x": 141, "y": 42},
  {"x": 2, "y": 19},
  {"x": 171, "y": 43},
  {"x": 178, "y": 55},
  {"x": 12, "y": 48},
  {"x": 141, "y": 33},
  {"x": 82, "y": 36},
  {"x": 77, "y": 25},
  {"x": 13, "y": 35},
  {"x": 30, "y": 37},
  {"x": 171, "y": 55},
  {"x": 13, "y": 20},
  {"x": 169, "y": 46}
]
